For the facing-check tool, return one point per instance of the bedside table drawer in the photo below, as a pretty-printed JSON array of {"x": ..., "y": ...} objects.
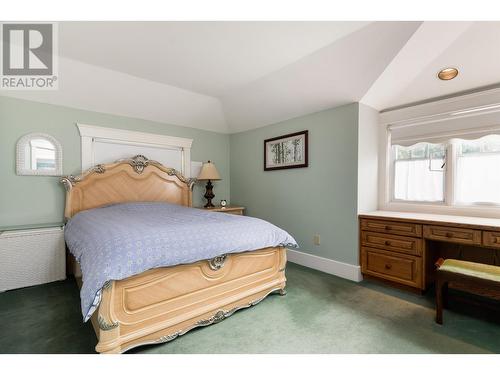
[
  {"x": 404, "y": 269},
  {"x": 400, "y": 244},
  {"x": 233, "y": 210}
]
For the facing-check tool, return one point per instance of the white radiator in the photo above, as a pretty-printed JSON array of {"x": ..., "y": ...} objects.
[{"x": 31, "y": 257}]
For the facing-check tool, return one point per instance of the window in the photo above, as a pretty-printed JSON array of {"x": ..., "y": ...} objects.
[
  {"x": 478, "y": 171},
  {"x": 450, "y": 171},
  {"x": 419, "y": 172}
]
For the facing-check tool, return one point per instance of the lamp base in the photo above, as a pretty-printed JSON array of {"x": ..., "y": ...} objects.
[{"x": 209, "y": 194}]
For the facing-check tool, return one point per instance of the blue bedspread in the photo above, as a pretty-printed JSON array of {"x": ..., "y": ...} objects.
[{"x": 121, "y": 240}]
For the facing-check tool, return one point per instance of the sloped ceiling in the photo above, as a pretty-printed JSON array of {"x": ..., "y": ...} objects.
[
  {"x": 209, "y": 58},
  {"x": 472, "y": 47},
  {"x": 233, "y": 76},
  {"x": 337, "y": 74}
]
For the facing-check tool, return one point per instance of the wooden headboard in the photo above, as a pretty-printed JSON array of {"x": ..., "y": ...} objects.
[{"x": 128, "y": 180}]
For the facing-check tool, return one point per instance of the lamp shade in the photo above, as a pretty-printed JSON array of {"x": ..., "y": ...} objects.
[{"x": 209, "y": 172}]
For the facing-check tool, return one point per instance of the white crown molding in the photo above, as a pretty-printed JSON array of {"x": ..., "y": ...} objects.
[
  {"x": 333, "y": 267},
  {"x": 132, "y": 136},
  {"x": 89, "y": 133}
]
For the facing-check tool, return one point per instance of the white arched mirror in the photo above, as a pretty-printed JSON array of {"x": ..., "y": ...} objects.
[{"x": 38, "y": 155}]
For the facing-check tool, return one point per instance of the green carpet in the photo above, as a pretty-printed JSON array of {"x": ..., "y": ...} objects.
[{"x": 320, "y": 314}]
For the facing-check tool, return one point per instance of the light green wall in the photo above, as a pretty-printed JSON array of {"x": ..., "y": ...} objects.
[
  {"x": 319, "y": 199},
  {"x": 32, "y": 199}
]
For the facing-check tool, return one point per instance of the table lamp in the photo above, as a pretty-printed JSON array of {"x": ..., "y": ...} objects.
[{"x": 209, "y": 173}]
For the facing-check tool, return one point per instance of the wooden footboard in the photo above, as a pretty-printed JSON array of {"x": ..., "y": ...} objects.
[{"x": 160, "y": 305}]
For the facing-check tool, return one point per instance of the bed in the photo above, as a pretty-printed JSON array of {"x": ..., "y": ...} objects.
[{"x": 160, "y": 304}]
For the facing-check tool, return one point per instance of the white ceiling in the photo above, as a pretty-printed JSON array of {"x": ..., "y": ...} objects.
[
  {"x": 337, "y": 74},
  {"x": 233, "y": 76},
  {"x": 97, "y": 89},
  {"x": 206, "y": 57},
  {"x": 472, "y": 47}
]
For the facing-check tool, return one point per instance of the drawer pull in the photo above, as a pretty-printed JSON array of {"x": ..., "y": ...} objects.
[
  {"x": 388, "y": 227},
  {"x": 449, "y": 235},
  {"x": 387, "y": 243},
  {"x": 388, "y": 266},
  {"x": 495, "y": 240}
]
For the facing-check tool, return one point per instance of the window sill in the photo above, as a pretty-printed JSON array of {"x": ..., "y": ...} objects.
[{"x": 432, "y": 208}]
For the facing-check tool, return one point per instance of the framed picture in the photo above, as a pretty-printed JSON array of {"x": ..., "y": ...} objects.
[{"x": 286, "y": 151}]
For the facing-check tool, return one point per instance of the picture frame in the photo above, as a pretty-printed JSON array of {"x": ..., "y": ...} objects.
[{"x": 286, "y": 151}]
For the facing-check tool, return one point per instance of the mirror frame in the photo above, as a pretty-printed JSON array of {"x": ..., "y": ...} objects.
[{"x": 20, "y": 156}]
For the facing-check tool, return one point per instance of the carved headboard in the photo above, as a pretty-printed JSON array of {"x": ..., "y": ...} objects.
[{"x": 128, "y": 180}]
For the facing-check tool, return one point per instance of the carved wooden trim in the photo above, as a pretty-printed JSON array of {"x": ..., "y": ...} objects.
[
  {"x": 218, "y": 317},
  {"x": 104, "y": 325},
  {"x": 217, "y": 263},
  {"x": 126, "y": 180},
  {"x": 146, "y": 309}
]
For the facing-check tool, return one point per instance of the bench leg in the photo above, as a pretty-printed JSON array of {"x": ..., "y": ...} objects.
[
  {"x": 441, "y": 286},
  {"x": 444, "y": 295}
]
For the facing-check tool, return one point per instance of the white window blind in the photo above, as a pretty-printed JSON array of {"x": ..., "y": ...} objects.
[{"x": 410, "y": 134}]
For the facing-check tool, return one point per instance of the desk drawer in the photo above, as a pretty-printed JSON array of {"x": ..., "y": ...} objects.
[
  {"x": 491, "y": 239},
  {"x": 392, "y": 227},
  {"x": 451, "y": 234},
  {"x": 400, "y": 244},
  {"x": 404, "y": 269}
]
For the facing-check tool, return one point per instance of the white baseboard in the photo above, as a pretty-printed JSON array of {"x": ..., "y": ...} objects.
[{"x": 333, "y": 267}]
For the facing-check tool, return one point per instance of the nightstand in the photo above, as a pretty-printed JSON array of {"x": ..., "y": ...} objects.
[{"x": 235, "y": 210}]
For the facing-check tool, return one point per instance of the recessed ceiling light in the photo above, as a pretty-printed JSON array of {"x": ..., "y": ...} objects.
[{"x": 447, "y": 73}]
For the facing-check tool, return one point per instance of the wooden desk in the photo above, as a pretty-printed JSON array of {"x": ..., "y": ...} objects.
[{"x": 402, "y": 247}]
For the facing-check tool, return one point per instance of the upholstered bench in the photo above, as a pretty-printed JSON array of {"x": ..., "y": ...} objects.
[{"x": 476, "y": 276}]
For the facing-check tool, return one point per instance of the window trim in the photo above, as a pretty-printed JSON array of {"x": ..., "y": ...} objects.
[
  {"x": 474, "y": 109},
  {"x": 448, "y": 206}
]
